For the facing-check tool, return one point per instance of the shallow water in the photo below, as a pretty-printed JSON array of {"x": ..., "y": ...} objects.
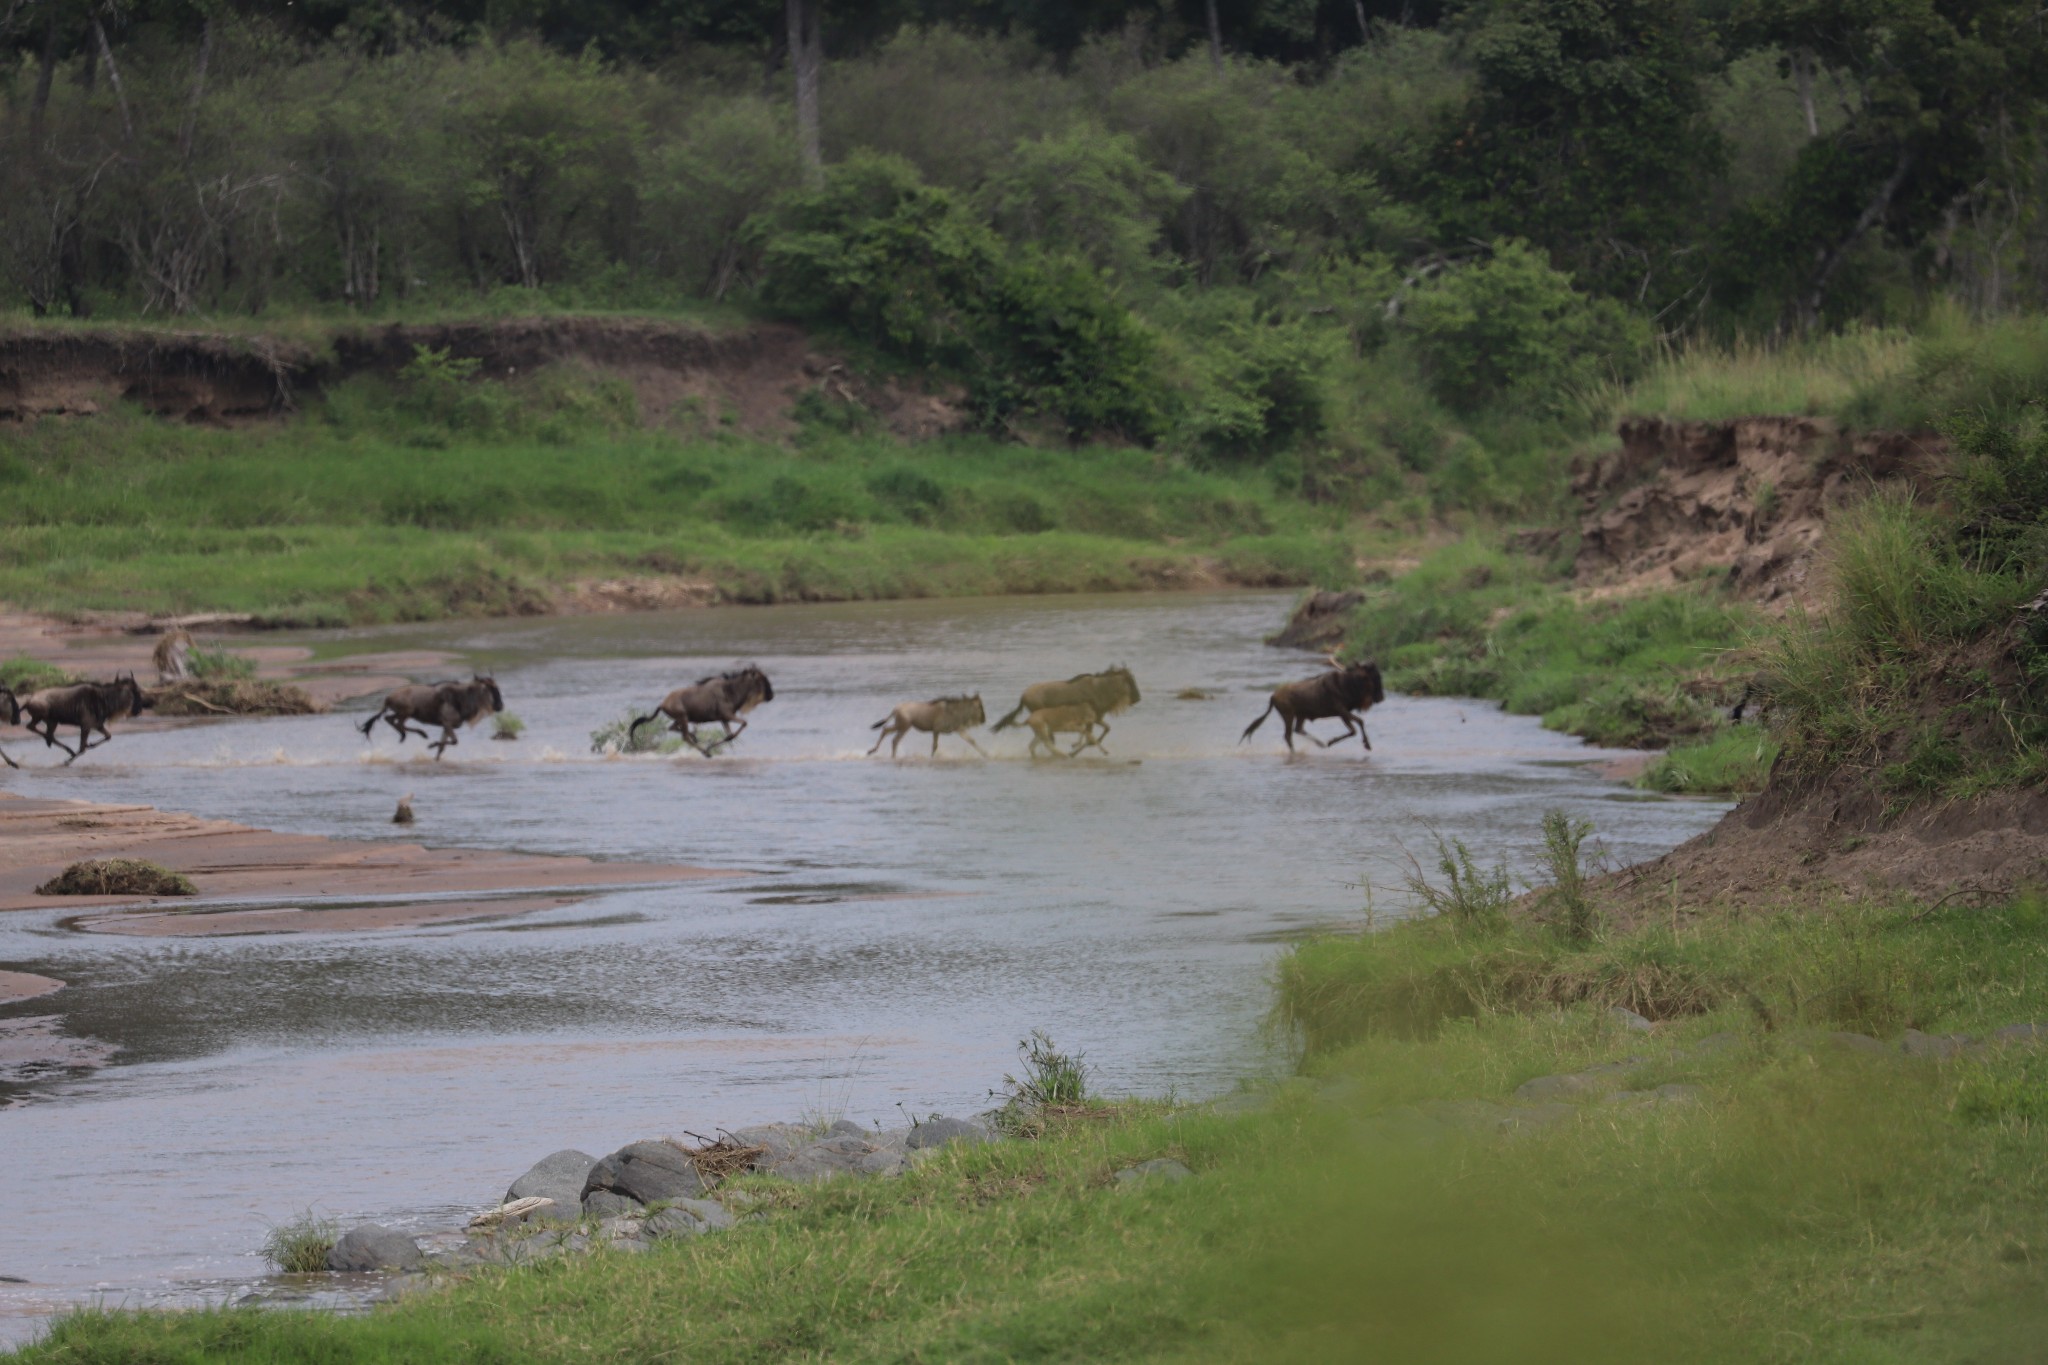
[{"x": 897, "y": 927}]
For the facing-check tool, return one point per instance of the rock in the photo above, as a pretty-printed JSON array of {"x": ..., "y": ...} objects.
[
  {"x": 939, "y": 1131},
  {"x": 371, "y": 1247},
  {"x": 1713, "y": 1044},
  {"x": 560, "y": 1176},
  {"x": 1858, "y": 1042},
  {"x": 1630, "y": 1020},
  {"x": 826, "y": 1158},
  {"x": 2022, "y": 1034},
  {"x": 403, "y": 815},
  {"x": 646, "y": 1171},
  {"x": 1318, "y": 623},
  {"x": 1536, "y": 1116},
  {"x": 1918, "y": 1044},
  {"x": 1680, "y": 1094},
  {"x": 845, "y": 1128},
  {"x": 601, "y": 1204},
  {"x": 517, "y": 1211},
  {"x": 1558, "y": 1087},
  {"x": 620, "y": 1234},
  {"x": 687, "y": 1218},
  {"x": 781, "y": 1140},
  {"x": 1158, "y": 1169},
  {"x": 1628, "y": 1097}
]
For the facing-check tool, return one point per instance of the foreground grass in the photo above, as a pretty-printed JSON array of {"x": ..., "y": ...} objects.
[
  {"x": 468, "y": 503},
  {"x": 1819, "y": 1206}
]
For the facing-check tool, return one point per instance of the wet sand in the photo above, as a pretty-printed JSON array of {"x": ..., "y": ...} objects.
[
  {"x": 25, "y": 986},
  {"x": 40, "y": 838}
]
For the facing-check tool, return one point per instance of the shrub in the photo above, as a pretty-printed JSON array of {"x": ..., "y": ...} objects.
[
  {"x": 619, "y": 737},
  {"x": 1565, "y": 902},
  {"x": 1469, "y": 897},
  {"x": 1510, "y": 328},
  {"x": 117, "y": 877},
  {"x": 1052, "y": 1081},
  {"x": 300, "y": 1247},
  {"x": 217, "y": 663}
]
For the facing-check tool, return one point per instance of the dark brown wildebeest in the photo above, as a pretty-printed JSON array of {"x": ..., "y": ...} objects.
[
  {"x": 88, "y": 705},
  {"x": 450, "y": 705},
  {"x": 1107, "y": 693},
  {"x": 1078, "y": 718},
  {"x": 722, "y": 697},
  {"x": 939, "y": 716},
  {"x": 1337, "y": 694}
]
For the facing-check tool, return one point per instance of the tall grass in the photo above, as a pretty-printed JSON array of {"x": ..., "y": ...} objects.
[{"x": 1751, "y": 378}]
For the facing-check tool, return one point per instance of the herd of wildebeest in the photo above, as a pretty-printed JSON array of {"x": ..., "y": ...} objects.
[{"x": 1080, "y": 706}]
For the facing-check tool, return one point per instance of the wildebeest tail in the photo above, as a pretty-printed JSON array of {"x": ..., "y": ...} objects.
[
  {"x": 883, "y": 721},
  {"x": 1256, "y": 724},
  {"x": 634, "y": 728},
  {"x": 1010, "y": 719},
  {"x": 371, "y": 723}
]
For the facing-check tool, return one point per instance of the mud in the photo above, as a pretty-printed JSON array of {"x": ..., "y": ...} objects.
[
  {"x": 1685, "y": 500},
  {"x": 16, "y": 986},
  {"x": 295, "y": 919},
  {"x": 39, "y": 838},
  {"x": 681, "y": 375}
]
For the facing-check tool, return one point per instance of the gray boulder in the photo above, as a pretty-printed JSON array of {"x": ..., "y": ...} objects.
[
  {"x": 560, "y": 1177},
  {"x": 1918, "y": 1044},
  {"x": 1858, "y": 1042},
  {"x": 1558, "y": 1087},
  {"x": 827, "y": 1157},
  {"x": 845, "y": 1128},
  {"x": 599, "y": 1205},
  {"x": 2023, "y": 1034},
  {"x": 781, "y": 1140},
  {"x": 939, "y": 1131},
  {"x": 687, "y": 1218},
  {"x": 371, "y": 1247},
  {"x": 646, "y": 1171},
  {"x": 1536, "y": 1116},
  {"x": 1630, "y": 1020},
  {"x": 1160, "y": 1170}
]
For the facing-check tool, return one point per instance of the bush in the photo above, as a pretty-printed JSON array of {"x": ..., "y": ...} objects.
[
  {"x": 217, "y": 663},
  {"x": 117, "y": 877},
  {"x": 619, "y": 737},
  {"x": 1511, "y": 329},
  {"x": 300, "y": 1247}
]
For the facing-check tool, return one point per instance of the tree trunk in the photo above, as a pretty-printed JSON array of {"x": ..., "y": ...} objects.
[
  {"x": 46, "y": 71},
  {"x": 806, "y": 56},
  {"x": 1802, "y": 78},
  {"x": 198, "y": 91},
  {"x": 1364, "y": 29},
  {"x": 1215, "y": 37},
  {"x": 1829, "y": 259},
  {"x": 114, "y": 77}
]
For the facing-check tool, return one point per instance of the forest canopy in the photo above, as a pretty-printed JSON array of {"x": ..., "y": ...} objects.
[{"x": 1130, "y": 216}]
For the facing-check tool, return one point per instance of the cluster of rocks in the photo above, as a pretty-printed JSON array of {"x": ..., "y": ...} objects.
[{"x": 647, "y": 1192}]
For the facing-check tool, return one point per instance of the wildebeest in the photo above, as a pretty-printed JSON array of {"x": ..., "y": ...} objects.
[
  {"x": 1345, "y": 689},
  {"x": 722, "y": 697},
  {"x": 1107, "y": 693},
  {"x": 1078, "y": 718},
  {"x": 939, "y": 716},
  {"x": 88, "y": 705},
  {"x": 450, "y": 705}
]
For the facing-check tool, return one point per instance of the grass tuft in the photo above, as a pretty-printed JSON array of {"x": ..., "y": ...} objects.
[
  {"x": 300, "y": 1246},
  {"x": 117, "y": 877}
]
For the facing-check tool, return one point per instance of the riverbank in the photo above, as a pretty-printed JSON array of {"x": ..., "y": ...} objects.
[{"x": 229, "y": 861}]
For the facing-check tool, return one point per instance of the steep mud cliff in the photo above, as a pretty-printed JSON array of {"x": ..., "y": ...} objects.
[
  {"x": 750, "y": 378},
  {"x": 1748, "y": 497}
]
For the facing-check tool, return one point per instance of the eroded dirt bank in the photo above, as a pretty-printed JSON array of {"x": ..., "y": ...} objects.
[
  {"x": 39, "y": 838},
  {"x": 1679, "y": 501},
  {"x": 750, "y": 377}
]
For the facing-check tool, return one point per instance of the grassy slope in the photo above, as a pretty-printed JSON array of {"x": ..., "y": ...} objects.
[{"x": 374, "y": 509}]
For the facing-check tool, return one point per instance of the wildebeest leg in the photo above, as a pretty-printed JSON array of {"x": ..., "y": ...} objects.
[
  {"x": 447, "y": 738},
  {"x": 733, "y": 725},
  {"x": 897, "y": 741},
  {"x": 935, "y": 743},
  {"x": 8, "y": 761},
  {"x": 1287, "y": 728},
  {"x": 970, "y": 742},
  {"x": 879, "y": 739}
]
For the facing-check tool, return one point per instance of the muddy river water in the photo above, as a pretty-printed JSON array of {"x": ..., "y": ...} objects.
[{"x": 893, "y": 930}]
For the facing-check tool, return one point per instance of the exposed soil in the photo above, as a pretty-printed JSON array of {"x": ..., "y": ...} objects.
[
  {"x": 748, "y": 379},
  {"x": 40, "y": 838},
  {"x": 1682, "y": 500},
  {"x": 25, "y": 986}
]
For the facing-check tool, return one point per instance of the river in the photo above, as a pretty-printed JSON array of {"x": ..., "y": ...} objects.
[{"x": 894, "y": 928}]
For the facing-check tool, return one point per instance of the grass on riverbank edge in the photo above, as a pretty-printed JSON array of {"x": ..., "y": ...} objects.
[{"x": 1817, "y": 1205}]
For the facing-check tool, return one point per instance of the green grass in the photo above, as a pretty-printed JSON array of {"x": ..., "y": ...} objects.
[
  {"x": 1473, "y": 621},
  {"x": 1736, "y": 759},
  {"x": 406, "y": 507},
  {"x": 300, "y": 1246},
  {"x": 25, "y": 675}
]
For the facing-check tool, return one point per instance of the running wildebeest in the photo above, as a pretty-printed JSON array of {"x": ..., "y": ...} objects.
[
  {"x": 450, "y": 705},
  {"x": 939, "y": 716},
  {"x": 1077, "y": 718},
  {"x": 1107, "y": 693},
  {"x": 1346, "y": 689},
  {"x": 88, "y": 705},
  {"x": 722, "y": 697}
]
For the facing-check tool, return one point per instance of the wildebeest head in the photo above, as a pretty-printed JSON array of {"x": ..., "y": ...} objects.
[
  {"x": 960, "y": 711},
  {"x": 1115, "y": 690},
  {"x": 125, "y": 697},
  {"x": 1360, "y": 683},
  {"x": 489, "y": 685}
]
